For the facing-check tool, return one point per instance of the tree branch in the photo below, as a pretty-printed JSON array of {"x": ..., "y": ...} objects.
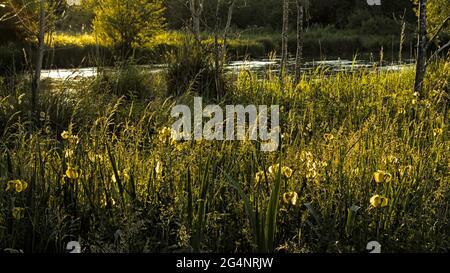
[
  {"x": 437, "y": 32},
  {"x": 442, "y": 48}
]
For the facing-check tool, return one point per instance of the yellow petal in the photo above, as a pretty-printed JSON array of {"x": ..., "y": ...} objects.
[
  {"x": 159, "y": 168},
  {"x": 126, "y": 177},
  {"x": 437, "y": 132},
  {"x": 375, "y": 201},
  {"x": 387, "y": 177},
  {"x": 290, "y": 198},
  {"x": 65, "y": 135},
  {"x": 19, "y": 187},
  {"x": 73, "y": 140},
  {"x": 378, "y": 177},
  {"x": 259, "y": 177},
  {"x": 72, "y": 173},
  {"x": 11, "y": 185},
  {"x": 294, "y": 199},
  {"x": 381, "y": 177},
  {"x": 18, "y": 213},
  {"x": 274, "y": 169},
  {"x": 328, "y": 137},
  {"x": 379, "y": 201},
  {"x": 24, "y": 185},
  {"x": 286, "y": 171}
]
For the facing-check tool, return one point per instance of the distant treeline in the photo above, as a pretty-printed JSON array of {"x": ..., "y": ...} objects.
[{"x": 267, "y": 14}]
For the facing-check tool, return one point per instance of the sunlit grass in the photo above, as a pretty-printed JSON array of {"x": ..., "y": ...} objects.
[
  {"x": 362, "y": 158},
  {"x": 67, "y": 40}
]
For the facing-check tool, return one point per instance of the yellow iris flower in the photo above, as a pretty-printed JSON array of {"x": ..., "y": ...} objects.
[
  {"x": 17, "y": 185},
  {"x": 274, "y": 169},
  {"x": 259, "y": 177},
  {"x": 74, "y": 140},
  {"x": 71, "y": 138},
  {"x": 437, "y": 132},
  {"x": 379, "y": 201},
  {"x": 285, "y": 171},
  {"x": 290, "y": 198},
  {"x": 382, "y": 176},
  {"x": 328, "y": 137},
  {"x": 72, "y": 173},
  {"x": 18, "y": 213},
  {"x": 65, "y": 135}
]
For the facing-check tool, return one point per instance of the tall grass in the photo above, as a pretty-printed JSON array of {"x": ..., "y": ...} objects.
[{"x": 110, "y": 177}]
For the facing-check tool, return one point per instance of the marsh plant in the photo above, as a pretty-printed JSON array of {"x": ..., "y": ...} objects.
[
  {"x": 231, "y": 125},
  {"x": 361, "y": 158}
]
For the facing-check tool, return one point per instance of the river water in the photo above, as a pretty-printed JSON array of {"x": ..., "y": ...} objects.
[{"x": 258, "y": 66}]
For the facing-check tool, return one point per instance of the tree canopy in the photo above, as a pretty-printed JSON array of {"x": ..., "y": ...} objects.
[
  {"x": 438, "y": 11},
  {"x": 267, "y": 14},
  {"x": 127, "y": 24}
]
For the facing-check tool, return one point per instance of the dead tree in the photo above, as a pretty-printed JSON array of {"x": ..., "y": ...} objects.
[
  {"x": 284, "y": 41},
  {"x": 39, "y": 59},
  {"x": 38, "y": 30},
  {"x": 421, "y": 47},
  {"x": 300, "y": 40},
  {"x": 220, "y": 51},
  {"x": 228, "y": 25},
  {"x": 196, "y": 8},
  {"x": 217, "y": 63}
]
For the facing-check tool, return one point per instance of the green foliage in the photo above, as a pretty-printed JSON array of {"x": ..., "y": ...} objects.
[
  {"x": 77, "y": 19},
  {"x": 267, "y": 14},
  {"x": 127, "y": 24},
  {"x": 191, "y": 69},
  {"x": 20, "y": 18},
  {"x": 129, "y": 82},
  {"x": 115, "y": 182},
  {"x": 437, "y": 12},
  {"x": 85, "y": 50}
]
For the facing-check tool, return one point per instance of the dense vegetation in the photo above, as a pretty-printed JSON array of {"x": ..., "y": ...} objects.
[
  {"x": 339, "y": 13},
  {"x": 111, "y": 177},
  {"x": 364, "y": 157},
  {"x": 333, "y": 28}
]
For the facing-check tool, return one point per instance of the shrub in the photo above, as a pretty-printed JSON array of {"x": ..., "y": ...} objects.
[
  {"x": 126, "y": 25},
  {"x": 191, "y": 68},
  {"x": 129, "y": 81}
]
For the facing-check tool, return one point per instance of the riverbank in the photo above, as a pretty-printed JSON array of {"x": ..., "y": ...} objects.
[{"x": 69, "y": 50}]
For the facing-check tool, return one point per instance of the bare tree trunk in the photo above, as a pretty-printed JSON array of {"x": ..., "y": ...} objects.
[
  {"x": 218, "y": 67},
  {"x": 300, "y": 31},
  {"x": 196, "y": 7},
  {"x": 284, "y": 43},
  {"x": 228, "y": 25},
  {"x": 38, "y": 63},
  {"x": 421, "y": 47},
  {"x": 29, "y": 231}
]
